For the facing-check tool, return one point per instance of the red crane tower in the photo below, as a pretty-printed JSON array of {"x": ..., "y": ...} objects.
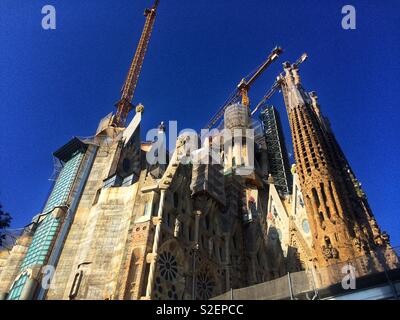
[{"x": 124, "y": 105}]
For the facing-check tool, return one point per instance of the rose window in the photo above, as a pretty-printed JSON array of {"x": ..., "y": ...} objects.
[
  {"x": 205, "y": 285},
  {"x": 168, "y": 266}
]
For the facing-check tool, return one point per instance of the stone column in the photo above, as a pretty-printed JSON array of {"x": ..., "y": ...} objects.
[
  {"x": 312, "y": 217},
  {"x": 237, "y": 146},
  {"x": 336, "y": 211},
  {"x": 315, "y": 209},
  {"x": 197, "y": 216},
  {"x": 227, "y": 262},
  {"x": 29, "y": 289},
  {"x": 150, "y": 281},
  {"x": 337, "y": 200},
  {"x": 323, "y": 204}
]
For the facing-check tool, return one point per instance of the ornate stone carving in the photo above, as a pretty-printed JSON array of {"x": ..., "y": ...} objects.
[
  {"x": 357, "y": 244},
  {"x": 330, "y": 252},
  {"x": 177, "y": 227}
]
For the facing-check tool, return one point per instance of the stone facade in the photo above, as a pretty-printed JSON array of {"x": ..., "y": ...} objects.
[
  {"x": 287, "y": 215},
  {"x": 12, "y": 263},
  {"x": 154, "y": 231},
  {"x": 342, "y": 225},
  {"x": 122, "y": 227}
]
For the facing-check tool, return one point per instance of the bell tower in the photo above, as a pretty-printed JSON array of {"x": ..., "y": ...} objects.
[{"x": 342, "y": 226}]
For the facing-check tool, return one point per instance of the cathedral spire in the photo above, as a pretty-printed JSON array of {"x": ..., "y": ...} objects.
[{"x": 339, "y": 224}]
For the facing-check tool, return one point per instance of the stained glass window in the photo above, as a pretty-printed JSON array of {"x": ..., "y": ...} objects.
[
  {"x": 17, "y": 287},
  {"x": 40, "y": 248},
  {"x": 61, "y": 189}
]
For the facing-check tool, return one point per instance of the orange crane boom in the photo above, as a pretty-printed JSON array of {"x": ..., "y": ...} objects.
[
  {"x": 124, "y": 105},
  {"x": 277, "y": 85},
  {"x": 244, "y": 85},
  {"x": 243, "y": 88}
]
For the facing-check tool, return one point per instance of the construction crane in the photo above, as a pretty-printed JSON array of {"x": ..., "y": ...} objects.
[
  {"x": 244, "y": 86},
  {"x": 124, "y": 105},
  {"x": 277, "y": 84}
]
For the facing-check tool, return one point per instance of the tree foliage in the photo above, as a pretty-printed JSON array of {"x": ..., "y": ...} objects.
[{"x": 5, "y": 220}]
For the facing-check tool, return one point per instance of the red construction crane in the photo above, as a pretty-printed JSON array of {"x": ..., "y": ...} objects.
[{"x": 124, "y": 105}]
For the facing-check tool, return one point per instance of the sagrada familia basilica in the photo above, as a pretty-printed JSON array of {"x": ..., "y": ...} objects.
[{"x": 118, "y": 227}]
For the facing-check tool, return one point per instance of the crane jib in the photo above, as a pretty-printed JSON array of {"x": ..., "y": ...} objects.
[{"x": 244, "y": 86}]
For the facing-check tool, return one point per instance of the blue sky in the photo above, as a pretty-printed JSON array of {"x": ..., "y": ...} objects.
[{"x": 57, "y": 84}]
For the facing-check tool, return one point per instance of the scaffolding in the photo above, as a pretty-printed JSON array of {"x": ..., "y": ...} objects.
[
  {"x": 10, "y": 236},
  {"x": 373, "y": 276},
  {"x": 276, "y": 149}
]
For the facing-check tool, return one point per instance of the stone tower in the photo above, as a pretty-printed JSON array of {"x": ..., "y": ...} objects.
[{"x": 342, "y": 225}]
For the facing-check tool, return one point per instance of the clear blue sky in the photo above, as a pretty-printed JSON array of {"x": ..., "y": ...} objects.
[{"x": 57, "y": 84}]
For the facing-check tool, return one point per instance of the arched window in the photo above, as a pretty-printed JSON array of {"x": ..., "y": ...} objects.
[
  {"x": 327, "y": 241},
  {"x": 75, "y": 285},
  {"x": 305, "y": 225},
  {"x": 17, "y": 286}
]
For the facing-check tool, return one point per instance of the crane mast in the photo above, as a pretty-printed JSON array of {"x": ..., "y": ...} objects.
[{"x": 124, "y": 105}]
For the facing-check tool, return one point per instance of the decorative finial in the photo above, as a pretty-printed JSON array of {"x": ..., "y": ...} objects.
[
  {"x": 140, "y": 108},
  {"x": 161, "y": 127}
]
